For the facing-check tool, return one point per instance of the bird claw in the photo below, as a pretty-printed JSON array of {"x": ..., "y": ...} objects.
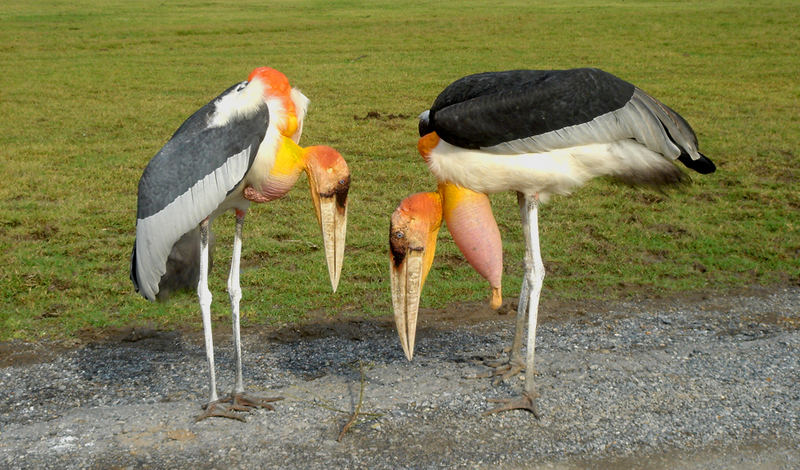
[
  {"x": 238, "y": 402},
  {"x": 505, "y": 371},
  {"x": 502, "y": 369},
  {"x": 525, "y": 402},
  {"x": 241, "y": 402},
  {"x": 215, "y": 409}
]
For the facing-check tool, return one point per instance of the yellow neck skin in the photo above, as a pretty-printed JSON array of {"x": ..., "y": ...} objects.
[{"x": 290, "y": 160}]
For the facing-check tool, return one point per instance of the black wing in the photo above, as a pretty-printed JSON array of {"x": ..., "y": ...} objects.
[{"x": 521, "y": 111}]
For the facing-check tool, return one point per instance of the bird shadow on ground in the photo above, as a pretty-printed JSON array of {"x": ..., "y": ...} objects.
[{"x": 310, "y": 335}]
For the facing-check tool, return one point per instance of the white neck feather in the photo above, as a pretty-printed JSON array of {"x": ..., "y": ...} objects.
[{"x": 241, "y": 103}]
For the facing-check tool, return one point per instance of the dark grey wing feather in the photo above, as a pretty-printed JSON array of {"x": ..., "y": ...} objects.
[
  {"x": 185, "y": 182},
  {"x": 484, "y": 110},
  {"x": 528, "y": 111}
]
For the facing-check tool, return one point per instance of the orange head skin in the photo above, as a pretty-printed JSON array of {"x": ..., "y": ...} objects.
[
  {"x": 276, "y": 85},
  {"x": 426, "y": 144},
  {"x": 414, "y": 226},
  {"x": 468, "y": 214},
  {"x": 329, "y": 182},
  {"x": 328, "y": 174},
  {"x": 412, "y": 243},
  {"x": 326, "y": 169}
]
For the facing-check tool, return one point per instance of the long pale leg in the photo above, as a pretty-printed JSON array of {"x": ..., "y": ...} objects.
[
  {"x": 505, "y": 369},
  {"x": 519, "y": 329},
  {"x": 212, "y": 408},
  {"x": 239, "y": 401},
  {"x": 204, "y": 295},
  {"x": 515, "y": 362},
  {"x": 534, "y": 275},
  {"x": 235, "y": 293}
]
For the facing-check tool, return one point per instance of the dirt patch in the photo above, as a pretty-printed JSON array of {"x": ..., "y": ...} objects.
[
  {"x": 378, "y": 116},
  {"x": 18, "y": 353},
  {"x": 324, "y": 328}
]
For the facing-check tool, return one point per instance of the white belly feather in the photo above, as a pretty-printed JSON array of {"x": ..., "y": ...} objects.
[{"x": 552, "y": 172}]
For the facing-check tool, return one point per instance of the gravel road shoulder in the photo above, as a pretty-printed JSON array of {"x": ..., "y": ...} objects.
[{"x": 706, "y": 382}]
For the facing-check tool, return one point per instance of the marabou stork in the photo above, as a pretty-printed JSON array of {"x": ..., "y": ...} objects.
[
  {"x": 239, "y": 148},
  {"x": 536, "y": 132}
]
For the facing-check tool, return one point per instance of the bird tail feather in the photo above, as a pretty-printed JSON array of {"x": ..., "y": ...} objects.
[{"x": 679, "y": 132}]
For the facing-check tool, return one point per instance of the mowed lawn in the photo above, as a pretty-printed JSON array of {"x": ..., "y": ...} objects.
[{"x": 89, "y": 91}]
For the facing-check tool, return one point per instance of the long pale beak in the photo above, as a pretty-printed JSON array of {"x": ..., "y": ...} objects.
[
  {"x": 329, "y": 181},
  {"x": 412, "y": 243},
  {"x": 333, "y": 222}
]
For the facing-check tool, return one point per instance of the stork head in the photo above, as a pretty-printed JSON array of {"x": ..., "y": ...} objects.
[
  {"x": 329, "y": 181},
  {"x": 412, "y": 243},
  {"x": 273, "y": 79},
  {"x": 275, "y": 86},
  {"x": 413, "y": 230}
]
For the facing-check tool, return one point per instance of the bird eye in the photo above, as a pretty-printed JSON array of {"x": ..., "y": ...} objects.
[
  {"x": 341, "y": 182},
  {"x": 399, "y": 234}
]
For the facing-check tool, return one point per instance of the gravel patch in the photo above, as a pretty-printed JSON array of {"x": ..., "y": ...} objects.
[{"x": 703, "y": 383}]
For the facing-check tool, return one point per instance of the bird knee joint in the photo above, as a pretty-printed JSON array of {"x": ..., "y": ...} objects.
[
  {"x": 204, "y": 295},
  {"x": 535, "y": 277},
  {"x": 235, "y": 293}
]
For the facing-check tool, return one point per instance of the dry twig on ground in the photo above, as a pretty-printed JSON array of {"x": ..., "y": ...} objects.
[{"x": 357, "y": 410}]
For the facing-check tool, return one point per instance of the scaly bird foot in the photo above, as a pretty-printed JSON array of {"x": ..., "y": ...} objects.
[
  {"x": 525, "y": 402},
  {"x": 241, "y": 402},
  {"x": 238, "y": 402},
  {"x": 218, "y": 410},
  {"x": 502, "y": 369}
]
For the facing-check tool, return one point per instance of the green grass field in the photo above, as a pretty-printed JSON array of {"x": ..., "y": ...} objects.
[{"x": 89, "y": 91}]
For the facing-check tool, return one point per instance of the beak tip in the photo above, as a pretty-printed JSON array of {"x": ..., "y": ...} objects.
[{"x": 408, "y": 352}]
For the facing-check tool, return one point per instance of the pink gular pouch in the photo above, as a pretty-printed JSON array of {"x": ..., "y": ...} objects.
[{"x": 469, "y": 218}]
